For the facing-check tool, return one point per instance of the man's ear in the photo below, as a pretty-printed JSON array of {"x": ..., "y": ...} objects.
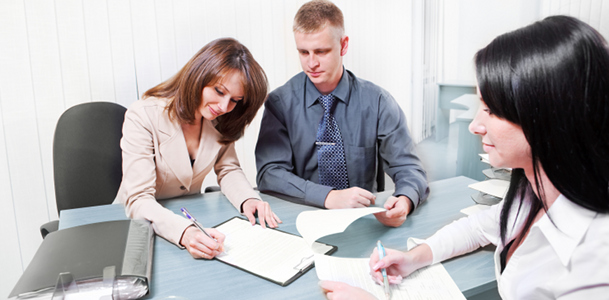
[{"x": 344, "y": 45}]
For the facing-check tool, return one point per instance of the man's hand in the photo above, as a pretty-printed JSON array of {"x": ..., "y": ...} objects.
[
  {"x": 398, "y": 209},
  {"x": 349, "y": 198}
]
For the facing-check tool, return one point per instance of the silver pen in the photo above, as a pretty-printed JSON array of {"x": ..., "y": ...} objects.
[{"x": 194, "y": 221}]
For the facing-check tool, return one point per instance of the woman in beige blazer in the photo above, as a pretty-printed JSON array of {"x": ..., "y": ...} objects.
[{"x": 184, "y": 127}]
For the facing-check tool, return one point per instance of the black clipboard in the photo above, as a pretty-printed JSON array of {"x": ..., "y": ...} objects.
[{"x": 300, "y": 269}]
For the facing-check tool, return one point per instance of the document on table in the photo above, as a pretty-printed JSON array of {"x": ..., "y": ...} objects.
[
  {"x": 272, "y": 254},
  {"x": 314, "y": 224},
  {"x": 474, "y": 209},
  {"x": 432, "y": 282},
  {"x": 493, "y": 187}
]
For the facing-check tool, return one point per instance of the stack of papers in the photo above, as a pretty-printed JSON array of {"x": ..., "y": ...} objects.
[{"x": 431, "y": 282}]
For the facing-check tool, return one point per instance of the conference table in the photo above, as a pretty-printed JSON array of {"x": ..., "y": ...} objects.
[{"x": 176, "y": 275}]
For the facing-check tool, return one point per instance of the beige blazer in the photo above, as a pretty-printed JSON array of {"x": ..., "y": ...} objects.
[{"x": 156, "y": 165}]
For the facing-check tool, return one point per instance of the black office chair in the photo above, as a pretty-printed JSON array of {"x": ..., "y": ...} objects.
[{"x": 87, "y": 158}]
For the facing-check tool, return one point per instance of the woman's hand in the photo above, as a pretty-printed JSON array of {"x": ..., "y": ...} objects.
[
  {"x": 336, "y": 290},
  {"x": 200, "y": 245},
  {"x": 399, "y": 264},
  {"x": 265, "y": 214}
]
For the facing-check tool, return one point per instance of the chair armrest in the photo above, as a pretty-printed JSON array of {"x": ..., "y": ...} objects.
[{"x": 49, "y": 227}]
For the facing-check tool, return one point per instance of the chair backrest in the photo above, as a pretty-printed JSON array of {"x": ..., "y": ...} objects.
[{"x": 87, "y": 158}]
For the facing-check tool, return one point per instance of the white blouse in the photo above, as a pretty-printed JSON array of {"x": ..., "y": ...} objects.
[{"x": 565, "y": 256}]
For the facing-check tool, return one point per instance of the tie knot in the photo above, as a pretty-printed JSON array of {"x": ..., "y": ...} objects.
[{"x": 327, "y": 101}]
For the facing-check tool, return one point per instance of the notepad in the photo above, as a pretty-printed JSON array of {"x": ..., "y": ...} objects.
[{"x": 272, "y": 254}]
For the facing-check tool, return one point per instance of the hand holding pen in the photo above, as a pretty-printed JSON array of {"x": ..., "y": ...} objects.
[
  {"x": 398, "y": 264},
  {"x": 201, "y": 242}
]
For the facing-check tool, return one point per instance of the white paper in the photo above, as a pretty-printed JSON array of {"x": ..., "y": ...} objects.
[
  {"x": 432, "y": 282},
  {"x": 269, "y": 253},
  {"x": 484, "y": 158},
  {"x": 493, "y": 187},
  {"x": 474, "y": 209},
  {"x": 314, "y": 224}
]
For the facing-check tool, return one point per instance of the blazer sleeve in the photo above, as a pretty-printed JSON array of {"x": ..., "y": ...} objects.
[
  {"x": 232, "y": 180},
  {"x": 138, "y": 187}
]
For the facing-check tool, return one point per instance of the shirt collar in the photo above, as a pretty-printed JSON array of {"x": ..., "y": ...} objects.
[
  {"x": 341, "y": 91},
  {"x": 567, "y": 227}
]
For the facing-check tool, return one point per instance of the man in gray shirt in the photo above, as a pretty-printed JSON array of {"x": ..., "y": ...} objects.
[{"x": 294, "y": 133}]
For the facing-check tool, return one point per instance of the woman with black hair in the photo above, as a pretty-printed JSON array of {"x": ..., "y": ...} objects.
[{"x": 544, "y": 112}]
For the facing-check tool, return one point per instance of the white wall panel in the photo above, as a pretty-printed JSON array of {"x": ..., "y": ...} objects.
[
  {"x": 166, "y": 37},
  {"x": 145, "y": 45},
  {"x": 183, "y": 32},
  {"x": 74, "y": 60},
  {"x": 99, "y": 50},
  {"x": 47, "y": 86},
  {"x": 10, "y": 250},
  {"x": 121, "y": 41},
  {"x": 21, "y": 132}
]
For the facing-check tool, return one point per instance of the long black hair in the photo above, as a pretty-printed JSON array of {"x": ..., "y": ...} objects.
[{"x": 552, "y": 79}]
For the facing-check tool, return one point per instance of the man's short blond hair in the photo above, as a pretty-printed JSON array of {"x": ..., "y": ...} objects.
[{"x": 316, "y": 15}]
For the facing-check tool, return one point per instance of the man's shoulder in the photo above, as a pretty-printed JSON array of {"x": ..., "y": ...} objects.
[
  {"x": 294, "y": 84},
  {"x": 365, "y": 85}
]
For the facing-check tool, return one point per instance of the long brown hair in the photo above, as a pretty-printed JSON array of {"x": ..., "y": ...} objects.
[{"x": 214, "y": 61}]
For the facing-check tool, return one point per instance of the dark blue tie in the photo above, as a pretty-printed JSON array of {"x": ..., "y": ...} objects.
[{"x": 330, "y": 149}]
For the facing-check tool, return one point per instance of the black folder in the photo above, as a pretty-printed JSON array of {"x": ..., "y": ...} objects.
[{"x": 85, "y": 252}]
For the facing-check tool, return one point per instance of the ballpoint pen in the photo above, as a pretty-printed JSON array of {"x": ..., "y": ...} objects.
[
  {"x": 194, "y": 221},
  {"x": 381, "y": 251}
]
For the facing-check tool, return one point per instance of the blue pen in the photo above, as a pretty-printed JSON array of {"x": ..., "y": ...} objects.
[
  {"x": 382, "y": 253},
  {"x": 194, "y": 221}
]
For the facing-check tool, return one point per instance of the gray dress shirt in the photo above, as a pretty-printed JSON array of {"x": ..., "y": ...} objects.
[{"x": 370, "y": 122}]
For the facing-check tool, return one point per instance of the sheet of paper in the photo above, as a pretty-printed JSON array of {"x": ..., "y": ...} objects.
[
  {"x": 290, "y": 252},
  {"x": 494, "y": 187},
  {"x": 314, "y": 224},
  {"x": 474, "y": 209},
  {"x": 432, "y": 282}
]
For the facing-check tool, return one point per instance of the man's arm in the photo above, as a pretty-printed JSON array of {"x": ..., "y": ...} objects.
[
  {"x": 398, "y": 152},
  {"x": 274, "y": 160}
]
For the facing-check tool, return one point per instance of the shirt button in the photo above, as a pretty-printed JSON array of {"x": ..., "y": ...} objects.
[{"x": 183, "y": 188}]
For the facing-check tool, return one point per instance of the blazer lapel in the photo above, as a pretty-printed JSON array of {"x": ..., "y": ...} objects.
[{"x": 173, "y": 149}]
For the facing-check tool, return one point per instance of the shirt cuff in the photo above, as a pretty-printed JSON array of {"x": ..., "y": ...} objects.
[
  {"x": 411, "y": 193},
  {"x": 315, "y": 194}
]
